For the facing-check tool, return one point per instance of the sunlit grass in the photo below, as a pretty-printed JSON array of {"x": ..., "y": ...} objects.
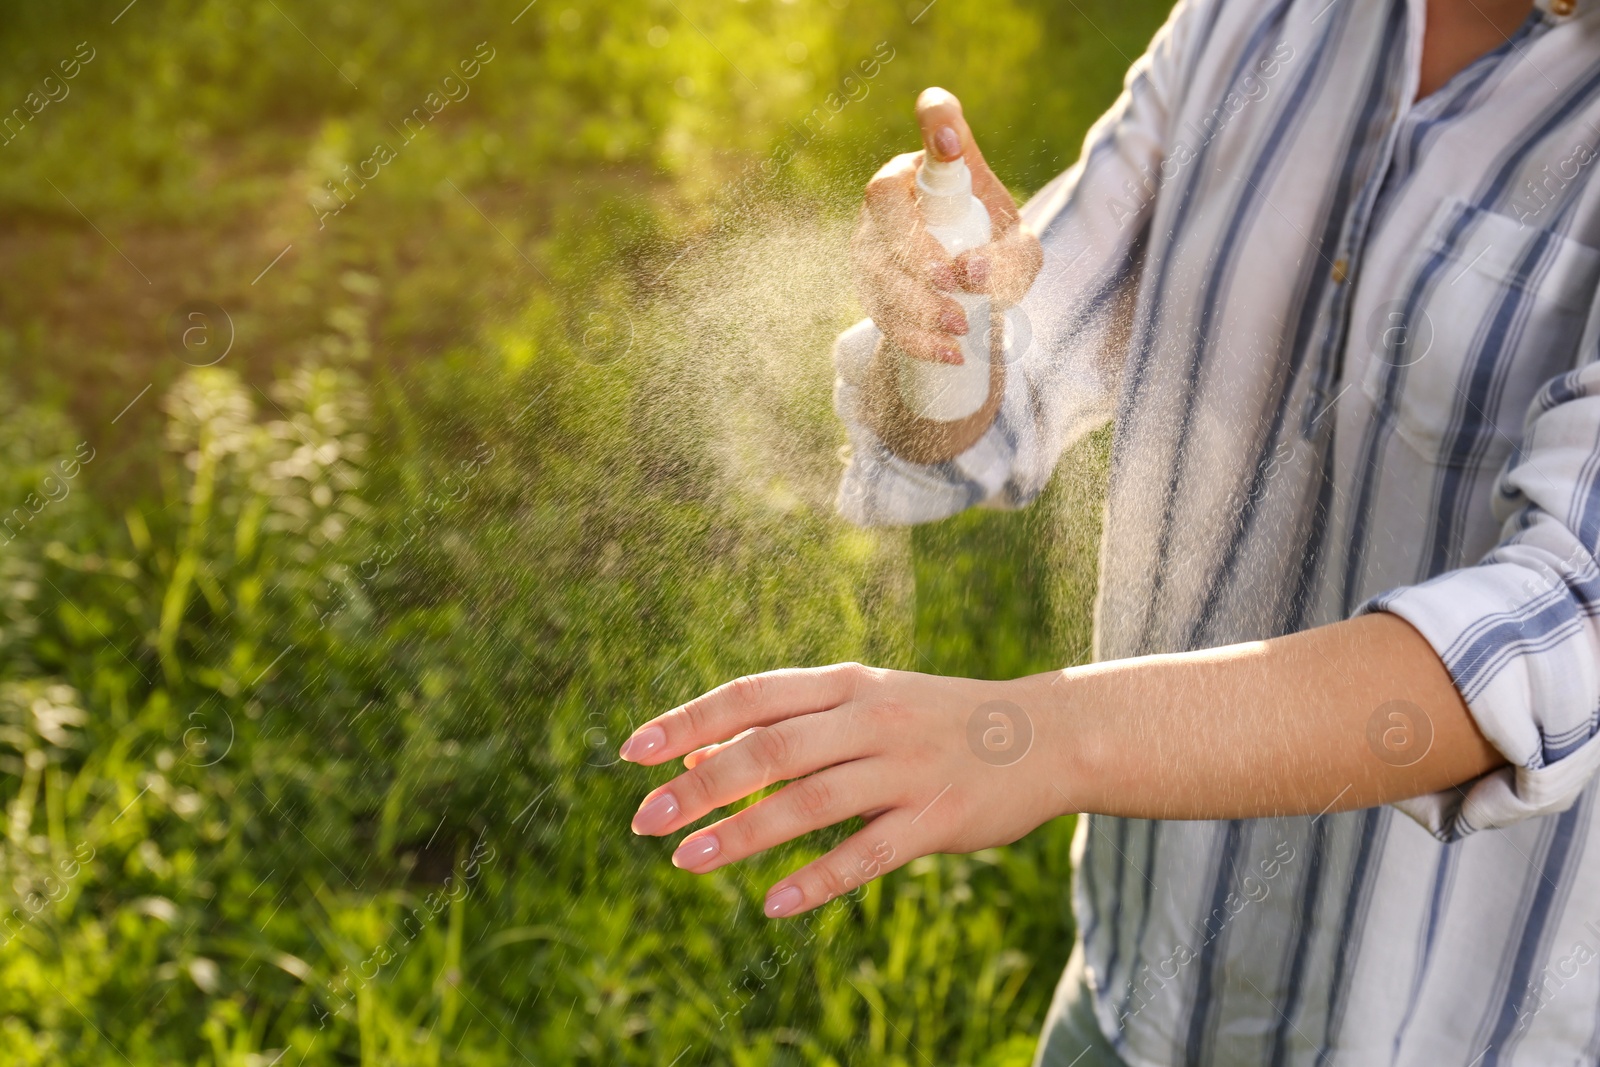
[{"x": 311, "y": 683}]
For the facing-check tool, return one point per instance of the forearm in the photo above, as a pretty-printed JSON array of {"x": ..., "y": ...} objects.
[
  {"x": 1280, "y": 727},
  {"x": 1334, "y": 718}
]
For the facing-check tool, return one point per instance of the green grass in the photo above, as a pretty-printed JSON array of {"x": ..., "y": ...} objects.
[{"x": 312, "y": 676}]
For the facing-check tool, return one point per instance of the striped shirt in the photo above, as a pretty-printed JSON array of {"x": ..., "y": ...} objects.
[{"x": 1348, "y": 340}]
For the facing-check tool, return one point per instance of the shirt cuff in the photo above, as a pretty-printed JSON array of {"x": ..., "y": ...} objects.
[
  {"x": 1523, "y": 654},
  {"x": 880, "y": 488}
]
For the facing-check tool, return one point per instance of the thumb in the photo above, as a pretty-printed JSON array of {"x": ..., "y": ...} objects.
[{"x": 946, "y": 136}]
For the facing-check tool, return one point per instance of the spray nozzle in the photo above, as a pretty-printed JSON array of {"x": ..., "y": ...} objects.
[{"x": 940, "y": 177}]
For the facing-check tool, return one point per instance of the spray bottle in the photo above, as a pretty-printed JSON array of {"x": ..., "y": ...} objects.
[{"x": 958, "y": 220}]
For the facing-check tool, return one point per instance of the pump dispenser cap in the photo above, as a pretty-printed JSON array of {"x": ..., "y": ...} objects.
[
  {"x": 939, "y": 177},
  {"x": 944, "y": 189}
]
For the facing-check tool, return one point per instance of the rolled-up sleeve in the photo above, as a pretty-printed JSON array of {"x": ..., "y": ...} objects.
[
  {"x": 1520, "y": 631},
  {"x": 1061, "y": 378}
]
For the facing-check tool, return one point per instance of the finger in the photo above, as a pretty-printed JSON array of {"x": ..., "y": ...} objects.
[
  {"x": 785, "y": 751},
  {"x": 829, "y": 796},
  {"x": 906, "y": 304},
  {"x": 892, "y": 231},
  {"x": 916, "y": 319},
  {"x": 890, "y": 201},
  {"x": 886, "y": 844},
  {"x": 991, "y": 191},
  {"x": 1013, "y": 272},
  {"x": 788, "y": 749},
  {"x": 700, "y": 755},
  {"x": 1005, "y": 268},
  {"x": 754, "y": 700},
  {"x": 946, "y": 134},
  {"x": 899, "y": 291},
  {"x": 892, "y": 216},
  {"x": 933, "y": 346},
  {"x": 896, "y": 299}
]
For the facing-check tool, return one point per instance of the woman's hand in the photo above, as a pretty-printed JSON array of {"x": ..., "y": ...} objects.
[
  {"x": 1294, "y": 725},
  {"x": 903, "y": 275},
  {"x": 933, "y": 764}
]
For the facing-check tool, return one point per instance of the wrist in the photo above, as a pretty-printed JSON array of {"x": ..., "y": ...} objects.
[{"x": 1071, "y": 749}]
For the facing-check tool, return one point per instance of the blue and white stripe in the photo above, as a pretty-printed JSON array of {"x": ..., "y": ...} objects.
[{"x": 1350, "y": 342}]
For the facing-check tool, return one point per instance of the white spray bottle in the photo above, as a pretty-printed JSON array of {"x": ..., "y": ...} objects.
[{"x": 958, "y": 220}]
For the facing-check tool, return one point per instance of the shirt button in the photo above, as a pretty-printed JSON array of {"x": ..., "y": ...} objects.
[
  {"x": 1341, "y": 270},
  {"x": 1562, "y": 8}
]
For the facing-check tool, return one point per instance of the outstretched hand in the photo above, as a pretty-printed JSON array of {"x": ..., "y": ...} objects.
[{"x": 933, "y": 765}]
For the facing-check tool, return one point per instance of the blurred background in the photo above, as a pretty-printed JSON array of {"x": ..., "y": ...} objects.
[{"x": 402, "y": 400}]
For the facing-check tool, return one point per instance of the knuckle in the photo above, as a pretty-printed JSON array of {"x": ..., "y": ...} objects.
[
  {"x": 880, "y": 184},
  {"x": 698, "y": 788},
  {"x": 691, "y": 719},
  {"x": 860, "y": 676},
  {"x": 895, "y": 725},
  {"x": 854, "y": 675},
  {"x": 913, "y": 292},
  {"x": 748, "y": 691},
  {"x": 889, "y": 184},
  {"x": 1028, "y": 250},
  {"x": 930, "y": 260},
  {"x": 909, "y": 312},
  {"x": 812, "y": 797},
  {"x": 904, "y": 165},
  {"x": 834, "y": 878},
  {"x": 934, "y": 343},
  {"x": 869, "y": 290},
  {"x": 903, "y": 256},
  {"x": 738, "y": 836},
  {"x": 907, "y": 338},
  {"x": 772, "y": 746},
  {"x": 1028, "y": 253}
]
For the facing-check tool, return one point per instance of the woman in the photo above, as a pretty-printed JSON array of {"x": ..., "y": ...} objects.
[{"x": 1330, "y": 267}]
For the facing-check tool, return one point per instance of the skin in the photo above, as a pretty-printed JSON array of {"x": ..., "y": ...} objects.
[
  {"x": 1459, "y": 31},
  {"x": 1351, "y": 715}
]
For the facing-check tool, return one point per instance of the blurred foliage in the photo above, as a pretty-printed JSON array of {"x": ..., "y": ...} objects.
[{"x": 313, "y": 662}]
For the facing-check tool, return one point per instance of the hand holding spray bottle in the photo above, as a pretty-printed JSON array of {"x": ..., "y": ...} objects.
[
  {"x": 929, "y": 388},
  {"x": 958, "y": 220}
]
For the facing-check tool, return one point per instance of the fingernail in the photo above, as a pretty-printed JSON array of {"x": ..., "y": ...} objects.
[
  {"x": 695, "y": 854},
  {"x": 977, "y": 270},
  {"x": 642, "y": 743},
  {"x": 950, "y": 355},
  {"x": 782, "y": 902},
  {"x": 953, "y": 322},
  {"x": 656, "y": 815},
  {"x": 947, "y": 142}
]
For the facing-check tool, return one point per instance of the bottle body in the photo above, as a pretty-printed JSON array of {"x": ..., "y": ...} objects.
[{"x": 958, "y": 220}]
